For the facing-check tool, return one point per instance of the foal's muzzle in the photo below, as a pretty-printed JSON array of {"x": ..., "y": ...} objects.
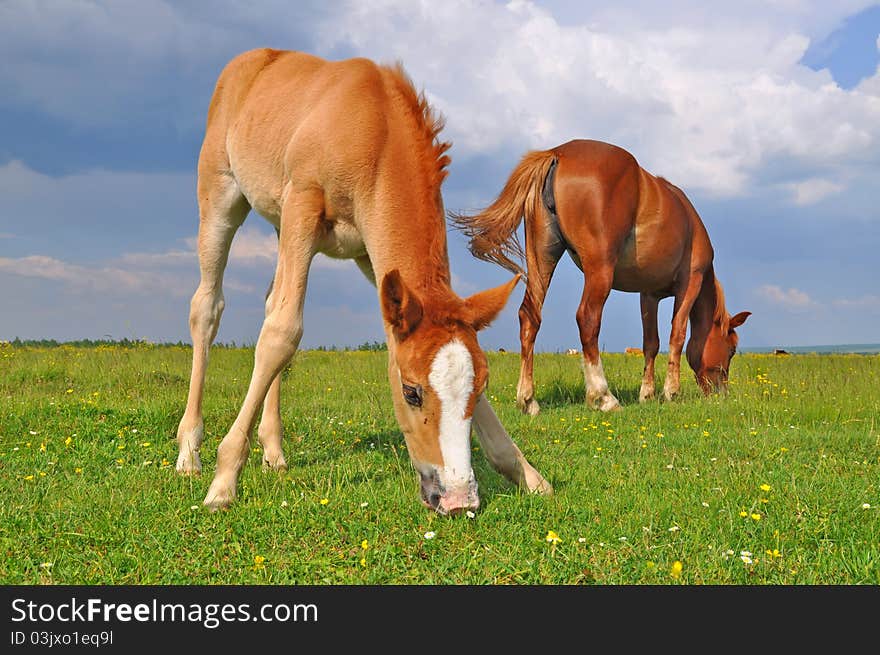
[{"x": 449, "y": 500}]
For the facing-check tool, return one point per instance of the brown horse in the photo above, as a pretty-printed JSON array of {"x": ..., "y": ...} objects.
[
  {"x": 343, "y": 158},
  {"x": 625, "y": 229}
]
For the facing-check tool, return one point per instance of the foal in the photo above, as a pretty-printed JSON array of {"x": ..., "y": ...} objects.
[
  {"x": 625, "y": 229},
  {"x": 343, "y": 158}
]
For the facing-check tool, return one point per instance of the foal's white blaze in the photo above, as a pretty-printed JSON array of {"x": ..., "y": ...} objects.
[{"x": 452, "y": 377}]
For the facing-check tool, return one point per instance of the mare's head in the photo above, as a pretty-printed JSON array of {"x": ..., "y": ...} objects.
[
  {"x": 709, "y": 354},
  {"x": 437, "y": 372}
]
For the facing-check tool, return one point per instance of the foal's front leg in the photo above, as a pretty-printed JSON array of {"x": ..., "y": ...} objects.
[
  {"x": 502, "y": 452},
  {"x": 278, "y": 341}
]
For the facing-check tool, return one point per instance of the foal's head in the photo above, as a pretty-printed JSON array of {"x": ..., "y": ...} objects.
[
  {"x": 710, "y": 359},
  {"x": 437, "y": 372}
]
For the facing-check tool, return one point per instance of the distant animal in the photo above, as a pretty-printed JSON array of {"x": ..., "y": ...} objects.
[
  {"x": 572, "y": 351},
  {"x": 779, "y": 351},
  {"x": 625, "y": 229},
  {"x": 343, "y": 158},
  {"x": 634, "y": 351}
]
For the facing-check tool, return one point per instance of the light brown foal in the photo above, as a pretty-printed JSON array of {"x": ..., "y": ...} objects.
[
  {"x": 343, "y": 158},
  {"x": 625, "y": 229}
]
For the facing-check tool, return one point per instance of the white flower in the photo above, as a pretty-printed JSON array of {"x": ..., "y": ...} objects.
[
  {"x": 746, "y": 559},
  {"x": 469, "y": 514},
  {"x": 364, "y": 504},
  {"x": 704, "y": 504},
  {"x": 284, "y": 503},
  {"x": 430, "y": 534},
  {"x": 674, "y": 528},
  {"x": 193, "y": 506},
  {"x": 621, "y": 538},
  {"x": 866, "y": 505},
  {"x": 582, "y": 540}
]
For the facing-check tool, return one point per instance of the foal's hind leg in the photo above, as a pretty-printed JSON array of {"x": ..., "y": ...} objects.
[
  {"x": 597, "y": 286},
  {"x": 222, "y": 209},
  {"x": 279, "y": 336},
  {"x": 271, "y": 432},
  {"x": 650, "y": 343}
]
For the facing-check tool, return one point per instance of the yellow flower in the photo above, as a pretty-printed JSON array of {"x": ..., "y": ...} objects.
[
  {"x": 649, "y": 564},
  {"x": 42, "y": 447},
  {"x": 77, "y": 470},
  {"x": 324, "y": 501},
  {"x": 744, "y": 514},
  {"x": 28, "y": 477},
  {"x": 364, "y": 544},
  {"x": 675, "y": 572},
  {"x": 259, "y": 561},
  {"x": 68, "y": 441},
  {"x": 363, "y": 561},
  {"x": 756, "y": 516},
  {"x": 765, "y": 487},
  {"x": 552, "y": 537}
]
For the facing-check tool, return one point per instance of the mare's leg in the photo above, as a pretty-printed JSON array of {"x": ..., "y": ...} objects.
[
  {"x": 271, "y": 431},
  {"x": 597, "y": 285},
  {"x": 650, "y": 343},
  {"x": 222, "y": 209},
  {"x": 502, "y": 453},
  {"x": 541, "y": 260},
  {"x": 279, "y": 336},
  {"x": 684, "y": 300}
]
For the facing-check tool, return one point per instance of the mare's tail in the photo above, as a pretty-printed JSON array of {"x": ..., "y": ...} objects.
[{"x": 492, "y": 232}]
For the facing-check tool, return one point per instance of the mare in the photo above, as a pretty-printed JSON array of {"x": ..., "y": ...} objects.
[
  {"x": 625, "y": 229},
  {"x": 343, "y": 158}
]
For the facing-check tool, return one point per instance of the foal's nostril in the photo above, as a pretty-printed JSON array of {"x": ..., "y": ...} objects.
[{"x": 434, "y": 500}]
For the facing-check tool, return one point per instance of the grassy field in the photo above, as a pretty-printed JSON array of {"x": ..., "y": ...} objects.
[{"x": 778, "y": 483}]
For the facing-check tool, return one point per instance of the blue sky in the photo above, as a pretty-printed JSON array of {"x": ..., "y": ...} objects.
[{"x": 766, "y": 113}]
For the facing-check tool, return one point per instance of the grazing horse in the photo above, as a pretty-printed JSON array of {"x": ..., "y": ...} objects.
[
  {"x": 343, "y": 158},
  {"x": 625, "y": 229}
]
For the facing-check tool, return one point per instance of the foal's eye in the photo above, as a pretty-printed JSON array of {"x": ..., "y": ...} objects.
[{"x": 413, "y": 395}]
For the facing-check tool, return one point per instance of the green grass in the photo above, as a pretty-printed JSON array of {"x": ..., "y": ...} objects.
[{"x": 90, "y": 496}]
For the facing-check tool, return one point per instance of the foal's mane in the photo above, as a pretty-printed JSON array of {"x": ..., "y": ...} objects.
[{"x": 428, "y": 124}]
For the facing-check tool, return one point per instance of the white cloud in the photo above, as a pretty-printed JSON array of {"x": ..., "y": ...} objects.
[
  {"x": 102, "y": 279},
  {"x": 709, "y": 104},
  {"x": 868, "y": 301},
  {"x": 812, "y": 190},
  {"x": 789, "y": 298}
]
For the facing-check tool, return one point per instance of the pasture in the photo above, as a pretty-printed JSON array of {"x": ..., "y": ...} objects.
[{"x": 778, "y": 483}]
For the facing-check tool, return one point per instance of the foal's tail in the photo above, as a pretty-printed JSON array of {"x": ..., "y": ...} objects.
[{"x": 492, "y": 232}]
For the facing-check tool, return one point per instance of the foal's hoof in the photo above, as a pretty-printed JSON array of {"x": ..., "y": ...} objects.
[
  {"x": 189, "y": 463},
  {"x": 536, "y": 483},
  {"x": 219, "y": 498},
  {"x": 274, "y": 463}
]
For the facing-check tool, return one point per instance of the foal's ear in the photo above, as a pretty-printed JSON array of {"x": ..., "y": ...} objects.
[
  {"x": 739, "y": 319},
  {"x": 400, "y": 307},
  {"x": 482, "y": 308}
]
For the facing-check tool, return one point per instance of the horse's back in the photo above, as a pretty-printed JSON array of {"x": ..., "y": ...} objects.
[
  {"x": 276, "y": 112},
  {"x": 645, "y": 223}
]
